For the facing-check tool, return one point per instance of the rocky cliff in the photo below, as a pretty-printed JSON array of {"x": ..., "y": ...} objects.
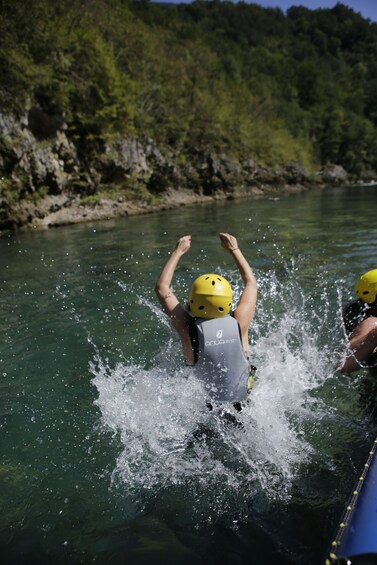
[{"x": 50, "y": 176}]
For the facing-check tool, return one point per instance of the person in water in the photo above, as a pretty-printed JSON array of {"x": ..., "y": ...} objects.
[
  {"x": 214, "y": 339},
  {"x": 360, "y": 323}
]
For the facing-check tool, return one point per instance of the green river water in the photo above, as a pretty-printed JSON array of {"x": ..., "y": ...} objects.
[{"x": 97, "y": 410}]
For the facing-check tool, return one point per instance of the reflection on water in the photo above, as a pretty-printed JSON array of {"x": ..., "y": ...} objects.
[{"x": 109, "y": 450}]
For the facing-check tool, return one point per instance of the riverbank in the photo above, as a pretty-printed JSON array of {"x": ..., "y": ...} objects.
[
  {"x": 54, "y": 211},
  {"x": 120, "y": 108},
  {"x": 49, "y": 178}
]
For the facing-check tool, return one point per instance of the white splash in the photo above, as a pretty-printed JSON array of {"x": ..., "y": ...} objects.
[{"x": 169, "y": 438}]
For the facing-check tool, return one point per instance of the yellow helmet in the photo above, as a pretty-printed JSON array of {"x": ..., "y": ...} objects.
[
  {"x": 366, "y": 287},
  {"x": 210, "y": 296}
]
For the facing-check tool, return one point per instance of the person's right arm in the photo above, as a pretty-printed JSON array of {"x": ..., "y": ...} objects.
[{"x": 245, "y": 311}]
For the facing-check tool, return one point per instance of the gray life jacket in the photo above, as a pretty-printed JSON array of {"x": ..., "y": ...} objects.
[{"x": 221, "y": 362}]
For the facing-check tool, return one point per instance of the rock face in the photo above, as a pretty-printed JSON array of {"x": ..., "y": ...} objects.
[
  {"x": 334, "y": 174},
  {"x": 47, "y": 177}
]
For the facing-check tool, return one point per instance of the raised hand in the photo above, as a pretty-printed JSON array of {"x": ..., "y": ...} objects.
[
  {"x": 228, "y": 241},
  {"x": 183, "y": 244}
]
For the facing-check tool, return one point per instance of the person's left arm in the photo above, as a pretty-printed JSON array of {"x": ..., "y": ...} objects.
[{"x": 179, "y": 318}]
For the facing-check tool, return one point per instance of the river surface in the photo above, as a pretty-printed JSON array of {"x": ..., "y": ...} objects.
[{"x": 101, "y": 459}]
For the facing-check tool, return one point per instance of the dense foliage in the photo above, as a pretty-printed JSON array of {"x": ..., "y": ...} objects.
[{"x": 249, "y": 81}]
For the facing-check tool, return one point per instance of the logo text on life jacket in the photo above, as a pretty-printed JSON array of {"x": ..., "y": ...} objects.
[{"x": 214, "y": 342}]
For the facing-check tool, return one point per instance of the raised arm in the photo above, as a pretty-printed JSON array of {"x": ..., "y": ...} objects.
[
  {"x": 244, "y": 313},
  {"x": 179, "y": 318}
]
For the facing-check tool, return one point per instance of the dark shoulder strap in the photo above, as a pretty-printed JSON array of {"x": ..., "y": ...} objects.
[{"x": 193, "y": 331}]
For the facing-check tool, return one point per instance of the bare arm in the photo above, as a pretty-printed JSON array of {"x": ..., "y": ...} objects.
[
  {"x": 179, "y": 318},
  {"x": 362, "y": 345},
  {"x": 245, "y": 311}
]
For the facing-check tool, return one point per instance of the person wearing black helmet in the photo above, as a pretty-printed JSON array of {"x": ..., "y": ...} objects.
[
  {"x": 214, "y": 341},
  {"x": 360, "y": 322}
]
